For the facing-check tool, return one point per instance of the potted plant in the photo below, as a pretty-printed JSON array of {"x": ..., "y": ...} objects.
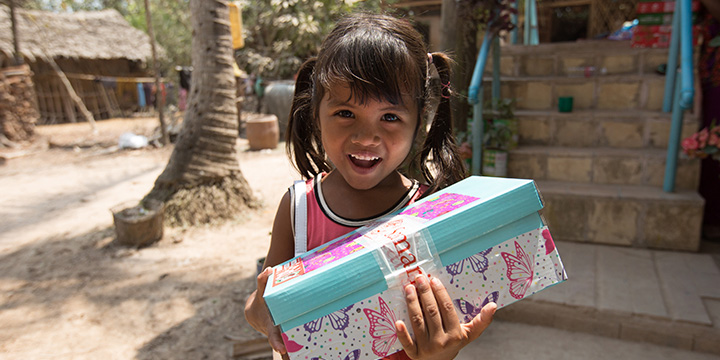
[{"x": 500, "y": 136}]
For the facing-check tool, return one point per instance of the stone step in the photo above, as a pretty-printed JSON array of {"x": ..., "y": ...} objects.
[
  {"x": 563, "y": 59},
  {"x": 600, "y": 166},
  {"x": 663, "y": 297},
  {"x": 607, "y": 92},
  {"x": 630, "y": 215},
  {"x": 593, "y": 128}
]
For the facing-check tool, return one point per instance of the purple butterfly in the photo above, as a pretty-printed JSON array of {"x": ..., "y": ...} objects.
[
  {"x": 478, "y": 262},
  {"x": 354, "y": 355},
  {"x": 339, "y": 320},
  {"x": 469, "y": 310}
]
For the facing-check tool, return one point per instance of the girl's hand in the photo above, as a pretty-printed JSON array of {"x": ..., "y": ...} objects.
[
  {"x": 258, "y": 315},
  {"x": 437, "y": 328}
]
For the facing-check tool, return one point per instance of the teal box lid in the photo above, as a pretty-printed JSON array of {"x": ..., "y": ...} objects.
[{"x": 349, "y": 269}]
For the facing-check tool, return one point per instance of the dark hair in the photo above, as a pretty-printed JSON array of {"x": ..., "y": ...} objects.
[{"x": 364, "y": 52}]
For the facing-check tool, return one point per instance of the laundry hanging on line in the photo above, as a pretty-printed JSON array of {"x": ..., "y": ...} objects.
[{"x": 141, "y": 95}]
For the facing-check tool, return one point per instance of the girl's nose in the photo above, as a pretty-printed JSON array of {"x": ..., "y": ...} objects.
[{"x": 366, "y": 135}]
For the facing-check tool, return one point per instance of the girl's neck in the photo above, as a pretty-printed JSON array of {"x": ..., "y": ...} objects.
[{"x": 351, "y": 203}]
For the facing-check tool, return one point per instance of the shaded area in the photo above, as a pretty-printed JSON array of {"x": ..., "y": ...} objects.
[{"x": 81, "y": 282}]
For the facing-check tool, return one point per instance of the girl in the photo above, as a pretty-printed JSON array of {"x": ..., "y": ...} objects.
[{"x": 357, "y": 111}]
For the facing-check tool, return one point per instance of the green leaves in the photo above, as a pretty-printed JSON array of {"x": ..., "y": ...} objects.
[
  {"x": 490, "y": 14},
  {"x": 281, "y": 34}
]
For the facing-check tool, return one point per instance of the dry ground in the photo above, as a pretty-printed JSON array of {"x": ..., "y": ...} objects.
[{"x": 68, "y": 291}]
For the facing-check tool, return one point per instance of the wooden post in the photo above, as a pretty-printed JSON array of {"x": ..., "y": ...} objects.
[
  {"x": 16, "y": 42},
  {"x": 160, "y": 101},
  {"x": 73, "y": 95},
  {"x": 70, "y": 109},
  {"x": 91, "y": 97},
  {"x": 57, "y": 103},
  {"x": 66, "y": 103},
  {"x": 42, "y": 87},
  {"x": 114, "y": 103}
]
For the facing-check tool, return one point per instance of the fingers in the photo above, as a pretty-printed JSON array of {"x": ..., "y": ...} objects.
[
  {"x": 481, "y": 321},
  {"x": 417, "y": 321},
  {"x": 430, "y": 309},
  {"x": 450, "y": 320},
  {"x": 436, "y": 327},
  {"x": 275, "y": 340},
  {"x": 258, "y": 315},
  {"x": 404, "y": 337},
  {"x": 262, "y": 280}
]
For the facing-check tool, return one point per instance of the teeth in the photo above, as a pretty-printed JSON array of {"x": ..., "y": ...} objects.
[{"x": 365, "y": 157}]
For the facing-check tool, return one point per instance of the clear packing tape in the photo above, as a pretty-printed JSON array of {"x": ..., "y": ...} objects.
[{"x": 403, "y": 250}]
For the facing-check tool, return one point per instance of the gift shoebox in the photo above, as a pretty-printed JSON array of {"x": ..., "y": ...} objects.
[{"x": 482, "y": 237}]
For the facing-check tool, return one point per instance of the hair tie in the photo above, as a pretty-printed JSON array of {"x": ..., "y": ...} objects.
[
  {"x": 429, "y": 58},
  {"x": 445, "y": 92}
]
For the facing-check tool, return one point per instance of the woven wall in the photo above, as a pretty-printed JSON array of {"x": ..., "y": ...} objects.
[
  {"x": 605, "y": 16},
  {"x": 608, "y": 15}
]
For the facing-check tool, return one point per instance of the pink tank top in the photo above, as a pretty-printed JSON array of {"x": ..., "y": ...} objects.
[{"x": 323, "y": 225}]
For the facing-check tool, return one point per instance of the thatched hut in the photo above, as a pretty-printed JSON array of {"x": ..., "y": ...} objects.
[{"x": 99, "y": 52}]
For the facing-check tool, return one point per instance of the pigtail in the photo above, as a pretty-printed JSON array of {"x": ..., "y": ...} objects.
[
  {"x": 447, "y": 165},
  {"x": 303, "y": 142}
]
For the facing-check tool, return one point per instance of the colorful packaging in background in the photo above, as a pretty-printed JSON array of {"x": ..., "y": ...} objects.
[
  {"x": 341, "y": 300},
  {"x": 657, "y": 36},
  {"x": 654, "y": 7},
  {"x": 654, "y": 27},
  {"x": 661, "y": 19}
]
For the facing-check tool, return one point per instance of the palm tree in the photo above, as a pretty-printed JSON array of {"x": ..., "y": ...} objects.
[{"x": 202, "y": 182}]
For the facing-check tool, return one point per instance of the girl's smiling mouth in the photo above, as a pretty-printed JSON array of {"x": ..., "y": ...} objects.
[{"x": 364, "y": 161}]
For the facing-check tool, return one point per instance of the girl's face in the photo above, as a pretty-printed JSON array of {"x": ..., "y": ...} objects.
[{"x": 366, "y": 142}]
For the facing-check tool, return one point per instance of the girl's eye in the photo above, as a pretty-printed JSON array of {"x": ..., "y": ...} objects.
[
  {"x": 390, "y": 117},
  {"x": 344, "y": 113}
]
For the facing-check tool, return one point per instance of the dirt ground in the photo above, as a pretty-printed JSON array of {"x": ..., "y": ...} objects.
[{"x": 69, "y": 291}]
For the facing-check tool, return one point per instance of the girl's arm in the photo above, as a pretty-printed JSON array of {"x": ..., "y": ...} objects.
[
  {"x": 281, "y": 249},
  {"x": 437, "y": 328}
]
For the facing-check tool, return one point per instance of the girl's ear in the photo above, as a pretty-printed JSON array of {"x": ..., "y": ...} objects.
[{"x": 303, "y": 142}]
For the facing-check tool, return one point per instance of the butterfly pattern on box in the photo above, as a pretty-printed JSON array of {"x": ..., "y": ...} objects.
[
  {"x": 382, "y": 328},
  {"x": 478, "y": 262},
  {"x": 469, "y": 310},
  {"x": 339, "y": 320},
  {"x": 519, "y": 271},
  {"x": 517, "y": 267}
]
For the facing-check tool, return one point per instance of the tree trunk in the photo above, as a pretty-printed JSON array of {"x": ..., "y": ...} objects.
[
  {"x": 202, "y": 182},
  {"x": 459, "y": 38}
]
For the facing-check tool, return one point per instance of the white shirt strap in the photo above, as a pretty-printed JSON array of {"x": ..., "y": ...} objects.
[{"x": 300, "y": 216}]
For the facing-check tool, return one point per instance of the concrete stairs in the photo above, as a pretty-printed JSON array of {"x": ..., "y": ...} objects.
[{"x": 601, "y": 167}]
